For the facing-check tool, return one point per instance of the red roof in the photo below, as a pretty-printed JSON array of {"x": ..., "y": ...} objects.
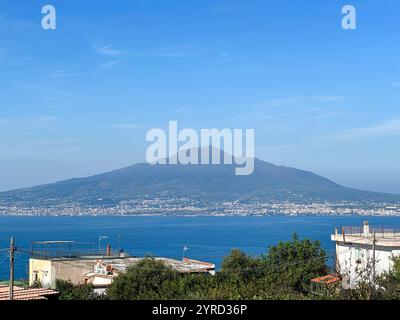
[
  {"x": 328, "y": 279},
  {"x": 27, "y": 294}
]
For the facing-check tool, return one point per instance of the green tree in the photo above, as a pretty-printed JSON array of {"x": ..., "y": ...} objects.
[
  {"x": 147, "y": 280},
  {"x": 240, "y": 266},
  {"x": 396, "y": 269},
  {"x": 294, "y": 263},
  {"x": 245, "y": 277},
  {"x": 70, "y": 292},
  {"x": 388, "y": 284}
]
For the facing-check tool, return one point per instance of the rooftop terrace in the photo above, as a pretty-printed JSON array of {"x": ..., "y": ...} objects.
[{"x": 384, "y": 236}]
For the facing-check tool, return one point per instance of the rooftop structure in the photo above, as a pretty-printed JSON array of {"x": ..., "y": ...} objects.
[
  {"x": 28, "y": 293},
  {"x": 186, "y": 265},
  {"x": 65, "y": 260},
  {"x": 62, "y": 249},
  {"x": 104, "y": 271},
  {"x": 328, "y": 279},
  {"x": 384, "y": 236},
  {"x": 323, "y": 285}
]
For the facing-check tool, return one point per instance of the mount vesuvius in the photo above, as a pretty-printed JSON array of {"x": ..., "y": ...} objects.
[{"x": 268, "y": 182}]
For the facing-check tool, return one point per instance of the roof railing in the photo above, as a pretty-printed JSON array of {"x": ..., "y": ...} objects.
[{"x": 362, "y": 231}]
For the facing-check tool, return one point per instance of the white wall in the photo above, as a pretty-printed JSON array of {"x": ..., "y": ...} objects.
[{"x": 355, "y": 260}]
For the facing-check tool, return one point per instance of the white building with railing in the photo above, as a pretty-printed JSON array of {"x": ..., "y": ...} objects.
[{"x": 362, "y": 253}]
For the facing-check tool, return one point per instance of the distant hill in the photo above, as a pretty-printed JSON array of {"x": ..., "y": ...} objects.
[{"x": 269, "y": 182}]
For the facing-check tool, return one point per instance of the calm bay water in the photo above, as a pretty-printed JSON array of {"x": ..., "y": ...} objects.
[{"x": 209, "y": 238}]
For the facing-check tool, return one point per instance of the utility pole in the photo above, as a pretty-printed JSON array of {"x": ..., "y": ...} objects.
[
  {"x": 373, "y": 258},
  {"x": 12, "y": 249}
]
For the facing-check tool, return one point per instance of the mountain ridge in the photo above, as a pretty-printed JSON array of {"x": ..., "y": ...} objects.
[{"x": 269, "y": 182}]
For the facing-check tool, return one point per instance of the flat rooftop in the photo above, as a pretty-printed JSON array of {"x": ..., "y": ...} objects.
[
  {"x": 122, "y": 263},
  {"x": 184, "y": 266},
  {"x": 384, "y": 236}
]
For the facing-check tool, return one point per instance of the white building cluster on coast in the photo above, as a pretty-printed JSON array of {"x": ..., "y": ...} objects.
[{"x": 189, "y": 206}]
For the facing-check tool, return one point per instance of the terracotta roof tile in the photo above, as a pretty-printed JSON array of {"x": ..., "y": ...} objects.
[
  {"x": 26, "y": 293},
  {"x": 328, "y": 279}
]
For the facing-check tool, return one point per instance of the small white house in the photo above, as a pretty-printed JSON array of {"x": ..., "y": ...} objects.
[{"x": 362, "y": 253}]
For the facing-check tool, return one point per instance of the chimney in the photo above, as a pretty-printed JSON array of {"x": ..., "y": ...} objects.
[
  {"x": 108, "y": 252},
  {"x": 366, "y": 228}
]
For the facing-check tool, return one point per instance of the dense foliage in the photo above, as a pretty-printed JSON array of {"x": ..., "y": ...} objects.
[
  {"x": 70, "y": 292},
  {"x": 283, "y": 273},
  {"x": 149, "y": 279},
  {"x": 294, "y": 263}
]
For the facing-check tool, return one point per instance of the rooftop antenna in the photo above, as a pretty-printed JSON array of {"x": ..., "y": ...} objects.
[
  {"x": 101, "y": 237},
  {"x": 119, "y": 242},
  {"x": 185, "y": 248}
]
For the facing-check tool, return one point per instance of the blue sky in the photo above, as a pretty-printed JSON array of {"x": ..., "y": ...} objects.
[{"x": 79, "y": 100}]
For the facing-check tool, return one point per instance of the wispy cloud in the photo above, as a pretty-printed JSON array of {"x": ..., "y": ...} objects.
[
  {"x": 301, "y": 101},
  {"x": 385, "y": 128},
  {"x": 166, "y": 52},
  {"x": 107, "y": 51},
  {"x": 313, "y": 113},
  {"x": 41, "y": 146},
  {"x": 110, "y": 64},
  {"x": 58, "y": 74},
  {"x": 281, "y": 102},
  {"x": 329, "y": 98},
  {"x": 110, "y": 53},
  {"x": 38, "y": 120},
  {"x": 396, "y": 84},
  {"x": 172, "y": 52},
  {"x": 118, "y": 56},
  {"x": 130, "y": 126},
  {"x": 327, "y": 115}
]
